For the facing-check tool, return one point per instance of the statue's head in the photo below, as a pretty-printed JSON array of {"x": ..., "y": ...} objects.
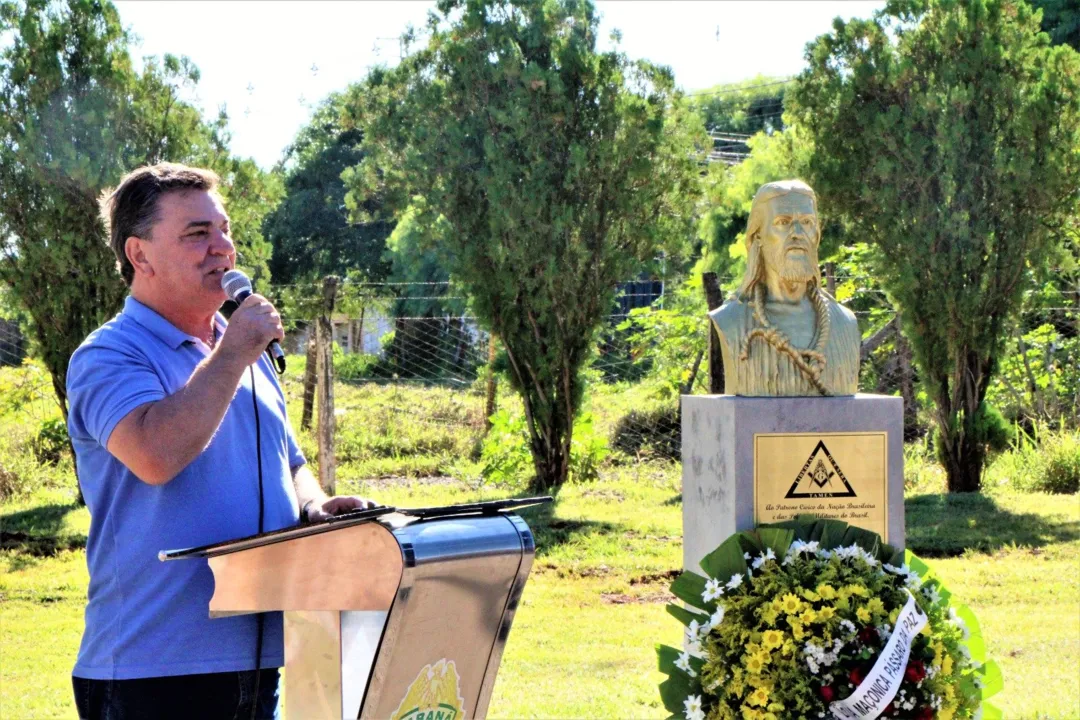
[{"x": 782, "y": 236}]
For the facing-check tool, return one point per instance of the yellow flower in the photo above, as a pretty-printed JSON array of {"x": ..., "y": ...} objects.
[
  {"x": 772, "y": 639},
  {"x": 810, "y": 595},
  {"x": 797, "y": 631},
  {"x": 893, "y": 615},
  {"x": 791, "y": 604},
  {"x": 827, "y": 592},
  {"x": 825, "y": 614},
  {"x": 750, "y": 713},
  {"x": 768, "y": 716},
  {"x": 863, "y": 614},
  {"x": 769, "y": 614},
  {"x": 946, "y": 665},
  {"x": 808, "y": 616},
  {"x": 875, "y": 606},
  {"x": 759, "y": 697},
  {"x": 789, "y": 648},
  {"x": 857, "y": 590},
  {"x": 753, "y": 663},
  {"x": 765, "y": 657}
]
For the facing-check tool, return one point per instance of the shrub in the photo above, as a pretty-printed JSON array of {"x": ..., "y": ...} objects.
[
  {"x": 1061, "y": 466},
  {"x": 655, "y": 431},
  {"x": 505, "y": 451},
  {"x": 51, "y": 442},
  {"x": 1044, "y": 461}
]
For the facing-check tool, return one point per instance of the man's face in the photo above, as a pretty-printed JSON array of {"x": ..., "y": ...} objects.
[
  {"x": 191, "y": 249},
  {"x": 789, "y": 237}
]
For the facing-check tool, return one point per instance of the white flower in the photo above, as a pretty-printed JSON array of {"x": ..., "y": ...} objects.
[
  {"x": 713, "y": 590},
  {"x": 769, "y": 554},
  {"x": 848, "y": 626},
  {"x": 931, "y": 592},
  {"x": 683, "y": 663},
  {"x": 693, "y": 708},
  {"x": 734, "y": 582},
  {"x": 717, "y": 618},
  {"x": 746, "y": 556}
]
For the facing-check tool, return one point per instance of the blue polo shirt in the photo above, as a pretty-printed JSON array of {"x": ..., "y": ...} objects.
[{"x": 146, "y": 618}]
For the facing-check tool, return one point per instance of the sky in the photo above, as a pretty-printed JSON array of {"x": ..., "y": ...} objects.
[{"x": 270, "y": 63}]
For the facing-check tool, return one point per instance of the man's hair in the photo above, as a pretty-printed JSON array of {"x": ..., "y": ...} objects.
[
  {"x": 132, "y": 208},
  {"x": 755, "y": 262}
]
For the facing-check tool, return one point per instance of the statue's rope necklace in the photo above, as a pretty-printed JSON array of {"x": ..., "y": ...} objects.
[{"x": 810, "y": 362}]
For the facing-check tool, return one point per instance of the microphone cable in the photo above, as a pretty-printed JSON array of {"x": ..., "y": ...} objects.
[{"x": 258, "y": 616}]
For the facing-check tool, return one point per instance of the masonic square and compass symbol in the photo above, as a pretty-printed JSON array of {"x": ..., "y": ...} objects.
[{"x": 820, "y": 479}]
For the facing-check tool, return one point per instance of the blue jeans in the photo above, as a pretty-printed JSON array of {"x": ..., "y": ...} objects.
[{"x": 213, "y": 696}]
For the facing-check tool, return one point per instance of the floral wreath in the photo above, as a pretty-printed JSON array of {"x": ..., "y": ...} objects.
[{"x": 816, "y": 619}]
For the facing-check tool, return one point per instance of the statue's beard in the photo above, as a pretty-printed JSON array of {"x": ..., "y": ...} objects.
[
  {"x": 798, "y": 267},
  {"x": 795, "y": 267}
]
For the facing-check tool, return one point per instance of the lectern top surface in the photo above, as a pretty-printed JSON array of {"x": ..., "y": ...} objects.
[{"x": 385, "y": 514}]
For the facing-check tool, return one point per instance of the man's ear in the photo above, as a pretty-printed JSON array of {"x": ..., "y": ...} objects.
[{"x": 135, "y": 250}]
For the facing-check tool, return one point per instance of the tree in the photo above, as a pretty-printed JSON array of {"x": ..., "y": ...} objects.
[
  {"x": 948, "y": 132},
  {"x": 557, "y": 170},
  {"x": 310, "y": 230},
  {"x": 1061, "y": 20},
  {"x": 746, "y": 107},
  {"x": 74, "y": 118}
]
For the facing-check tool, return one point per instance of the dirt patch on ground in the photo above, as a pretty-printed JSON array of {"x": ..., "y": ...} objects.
[
  {"x": 399, "y": 480},
  {"x": 659, "y": 577},
  {"x": 624, "y": 599},
  {"x": 39, "y": 545}
]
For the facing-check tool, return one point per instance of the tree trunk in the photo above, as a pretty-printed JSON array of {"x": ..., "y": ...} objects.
[
  {"x": 309, "y": 377},
  {"x": 490, "y": 392},
  {"x": 963, "y": 449},
  {"x": 714, "y": 298}
]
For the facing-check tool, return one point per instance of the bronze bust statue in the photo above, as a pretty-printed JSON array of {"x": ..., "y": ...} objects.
[{"x": 781, "y": 334}]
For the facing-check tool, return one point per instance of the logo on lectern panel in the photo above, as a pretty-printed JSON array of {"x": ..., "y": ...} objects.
[
  {"x": 820, "y": 477},
  {"x": 435, "y": 694}
]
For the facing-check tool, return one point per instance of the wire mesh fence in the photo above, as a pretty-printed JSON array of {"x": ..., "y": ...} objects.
[{"x": 410, "y": 354}]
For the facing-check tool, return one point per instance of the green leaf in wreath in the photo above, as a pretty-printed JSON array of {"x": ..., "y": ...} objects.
[
  {"x": 991, "y": 712},
  {"x": 726, "y": 560},
  {"x": 867, "y": 540},
  {"x": 832, "y": 533},
  {"x": 674, "y": 691},
  {"x": 975, "y": 643},
  {"x": 992, "y": 680},
  {"x": 895, "y": 558},
  {"x": 665, "y": 659},
  {"x": 779, "y": 539},
  {"x": 685, "y": 616},
  {"x": 689, "y": 587},
  {"x": 914, "y": 563}
]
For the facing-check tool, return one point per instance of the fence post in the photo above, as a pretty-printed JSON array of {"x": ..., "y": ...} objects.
[
  {"x": 309, "y": 375},
  {"x": 830, "y": 278},
  {"x": 325, "y": 339},
  {"x": 713, "y": 298},
  {"x": 489, "y": 400}
]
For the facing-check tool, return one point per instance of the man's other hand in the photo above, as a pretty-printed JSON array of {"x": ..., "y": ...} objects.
[{"x": 317, "y": 512}]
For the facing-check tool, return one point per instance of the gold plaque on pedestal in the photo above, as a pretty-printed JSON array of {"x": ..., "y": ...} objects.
[{"x": 838, "y": 476}]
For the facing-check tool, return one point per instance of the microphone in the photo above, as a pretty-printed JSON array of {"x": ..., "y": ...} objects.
[{"x": 237, "y": 286}]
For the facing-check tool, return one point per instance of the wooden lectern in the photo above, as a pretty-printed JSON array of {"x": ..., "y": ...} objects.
[{"x": 389, "y": 613}]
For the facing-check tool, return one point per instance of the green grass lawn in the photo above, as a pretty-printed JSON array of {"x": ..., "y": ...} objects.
[{"x": 582, "y": 643}]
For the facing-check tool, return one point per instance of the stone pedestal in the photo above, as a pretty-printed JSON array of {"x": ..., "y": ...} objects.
[{"x": 862, "y": 471}]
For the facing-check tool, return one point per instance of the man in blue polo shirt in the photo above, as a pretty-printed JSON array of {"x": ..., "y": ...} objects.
[{"x": 162, "y": 417}]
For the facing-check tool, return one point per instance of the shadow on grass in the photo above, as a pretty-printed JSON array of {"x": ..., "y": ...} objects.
[
  {"x": 38, "y": 532},
  {"x": 549, "y": 532},
  {"x": 948, "y": 525}
]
